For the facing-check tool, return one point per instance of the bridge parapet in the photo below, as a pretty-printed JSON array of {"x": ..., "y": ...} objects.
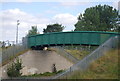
[{"x": 70, "y": 38}]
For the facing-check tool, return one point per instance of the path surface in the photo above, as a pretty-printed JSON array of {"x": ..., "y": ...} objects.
[{"x": 40, "y": 62}]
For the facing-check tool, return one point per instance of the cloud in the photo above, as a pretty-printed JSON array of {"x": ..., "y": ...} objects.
[
  {"x": 115, "y": 5},
  {"x": 65, "y": 19},
  {"x": 9, "y": 23},
  {"x": 10, "y": 17}
]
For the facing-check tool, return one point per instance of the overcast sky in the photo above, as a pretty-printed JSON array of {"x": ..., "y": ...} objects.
[{"x": 40, "y": 14}]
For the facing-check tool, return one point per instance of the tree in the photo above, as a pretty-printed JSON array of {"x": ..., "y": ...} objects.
[
  {"x": 14, "y": 69},
  {"x": 53, "y": 28},
  {"x": 33, "y": 31},
  {"x": 98, "y": 18}
]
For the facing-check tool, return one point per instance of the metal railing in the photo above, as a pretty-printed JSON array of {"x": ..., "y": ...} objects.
[
  {"x": 11, "y": 52},
  {"x": 65, "y": 54},
  {"x": 82, "y": 65}
]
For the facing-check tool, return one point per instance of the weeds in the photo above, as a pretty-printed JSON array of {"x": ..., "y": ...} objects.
[
  {"x": 105, "y": 67},
  {"x": 78, "y": 54},
  {"x": 44, "y": 74}
]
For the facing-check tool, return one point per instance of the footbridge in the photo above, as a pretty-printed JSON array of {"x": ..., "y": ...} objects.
[{"x": 69, "y": 38}]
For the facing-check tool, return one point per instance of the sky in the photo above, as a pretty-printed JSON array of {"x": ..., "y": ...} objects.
[{"x": 40, "y": 14}]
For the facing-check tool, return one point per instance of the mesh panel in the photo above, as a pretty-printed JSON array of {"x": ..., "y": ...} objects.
[{"x": 82, "y": 65}]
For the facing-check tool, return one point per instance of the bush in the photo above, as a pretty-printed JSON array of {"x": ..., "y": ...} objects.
[
  {"x": 60, "y": 71},
  {"x": 14, "y": 69},
  {"x": 46, "y": 74}
]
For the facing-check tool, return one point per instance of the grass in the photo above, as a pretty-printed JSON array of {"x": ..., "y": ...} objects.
[
  {"x": 46, "y": 74},
  {"x": 51, "y": 49},
  {"x": 3, "y": 48},
  {"x": 78, "y": 54},
  {"x": 105, "y": 67}
]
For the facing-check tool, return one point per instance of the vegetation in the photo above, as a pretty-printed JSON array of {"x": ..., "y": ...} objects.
[
  {"x": 78, "y": 54},
  {"x": 79, "y": 51},
  {"x": 44, "y": 74},
  {"x": 13, "y": 57},
  {"x": 51, "y": 49},
  {"x": 53, "y": 28},
  {"x": 33, "y": 31},
  {"x": 98, "y": 18},
  {"x": 14, "y": 69},
  {"x": 3, "y": 48},
  {"x": 104, "y": 68},
  {"x": 81, "y": 47}
]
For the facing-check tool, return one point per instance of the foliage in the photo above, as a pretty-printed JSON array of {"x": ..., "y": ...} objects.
[
  {"x": 78, "y": 54},
  {"x": 98, "y": 18},
  {"x": 33, "y": 31},
  {"x": 105, "y": 67},
  {"x": 53, "y": 28},
  {"x": 44, "y": 74},
  {"x": 14, "y": 69}
]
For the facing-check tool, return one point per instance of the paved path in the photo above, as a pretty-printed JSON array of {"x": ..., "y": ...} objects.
[{"x": 41, "y": 61}]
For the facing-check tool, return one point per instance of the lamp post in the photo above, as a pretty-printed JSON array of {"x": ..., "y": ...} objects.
[{"x": 17, "y": 32}]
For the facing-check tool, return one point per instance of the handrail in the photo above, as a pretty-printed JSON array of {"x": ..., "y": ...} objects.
[{"x": 82, "y": 65}]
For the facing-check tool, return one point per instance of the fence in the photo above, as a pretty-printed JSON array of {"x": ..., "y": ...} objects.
[
  {"x": 12, "y": 51},
  {"x": 65, "y": 54},
  {"x": 80, "y": 47},
  {"x": 62, "y": 51},
  {"x": 82, "y": 65}
]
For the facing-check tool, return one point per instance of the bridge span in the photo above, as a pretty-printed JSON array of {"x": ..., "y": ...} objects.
[{"x": 69, "y": 38}]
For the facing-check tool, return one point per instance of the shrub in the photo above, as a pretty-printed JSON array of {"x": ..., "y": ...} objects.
[
  {"x": 60, "y": 71},
  {"x": 14, "y": 69}
]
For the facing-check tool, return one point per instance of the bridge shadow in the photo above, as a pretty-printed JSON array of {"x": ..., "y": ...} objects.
[{"x": 41, "y": 47}]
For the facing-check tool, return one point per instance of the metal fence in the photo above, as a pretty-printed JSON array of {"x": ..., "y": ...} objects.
[
  {"x": 65, "y": 54},
  {"x": 80, "y": 47},
  {"x": 62, "y": 51},
  {"x": 82, "y": 65},
  {"x": 12, "y": 51}
]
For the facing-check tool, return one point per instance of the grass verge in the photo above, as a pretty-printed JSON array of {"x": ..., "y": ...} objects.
[
  {"x": 105, "y": 67},
  {"x": 78, "y": 54}
]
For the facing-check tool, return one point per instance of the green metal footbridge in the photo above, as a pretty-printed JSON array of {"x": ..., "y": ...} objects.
[{"x": 69, "y": 38}]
